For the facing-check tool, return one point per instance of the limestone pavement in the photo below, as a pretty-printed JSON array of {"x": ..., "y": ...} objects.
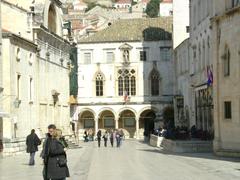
[{"x": 132, "y": 161}]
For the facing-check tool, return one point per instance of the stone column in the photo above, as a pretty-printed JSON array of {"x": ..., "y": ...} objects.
[
  {"x": 96, "y": 125},
  {"x": 116, "y": 123},
  {"x": 137, "y": 128}
]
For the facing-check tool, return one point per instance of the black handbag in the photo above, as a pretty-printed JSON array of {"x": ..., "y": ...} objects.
[{"x": 62, "y": 162}]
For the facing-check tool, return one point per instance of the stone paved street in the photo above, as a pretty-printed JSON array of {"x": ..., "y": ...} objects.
[{"x": 133, "y": 161}]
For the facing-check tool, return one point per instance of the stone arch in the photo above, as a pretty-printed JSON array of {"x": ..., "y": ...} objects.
[
  {"x": 51, "y": 5},
  {"x": 127, "y": 108},
  {"x": 106, "y": 118},
  {"x": 147, "y": 108},
  {"x": 127, "y": 121},
  {"x": 86, "y": 120},
  {"x": 86, "y": 109},
  {"x": 147, "y": 116},
  {"x": 106, "y": 109}
]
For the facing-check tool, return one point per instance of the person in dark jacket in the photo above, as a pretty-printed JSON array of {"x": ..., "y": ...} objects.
[
  {"x": 57, "y": 168},
  {"x": 32, "y": 143},
  {"x": 112, "y": 136},
  {"x": 99, "y": 135},
  {"x": 105, "y": 138},
  {"x": 45, "y": 150}
]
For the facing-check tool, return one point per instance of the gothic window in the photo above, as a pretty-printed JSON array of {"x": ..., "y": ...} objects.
[
  {"x": 120, "y": 86},
  {"x": 154, "y": 80},
  {"x": 126, "y": 82},
  {"x": 99, "y": 84},
  {"x": 52, "y": 23},
  {"x": 226, "y": 63},
  {"x": 133, "y": 86}
]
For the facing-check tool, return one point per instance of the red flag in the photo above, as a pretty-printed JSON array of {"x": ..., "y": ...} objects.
[{"x": 125, "y": 96}]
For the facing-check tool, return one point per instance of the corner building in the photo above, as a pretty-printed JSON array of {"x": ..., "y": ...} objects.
[{"x": 125, "y": 76}]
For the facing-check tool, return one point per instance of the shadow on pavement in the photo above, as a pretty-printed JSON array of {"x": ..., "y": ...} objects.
[{"x": 209, "y": 156}]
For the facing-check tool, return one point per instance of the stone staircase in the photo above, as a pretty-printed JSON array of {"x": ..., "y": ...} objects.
[{"x": 72, "y": 142}]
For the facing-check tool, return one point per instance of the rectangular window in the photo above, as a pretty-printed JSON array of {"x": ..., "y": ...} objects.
[
  {"x": 31, "y": 89},
  {"x": 18, "y": 86},
  {"x": 109, "y": 122},
  {"x": 165, "y": 53},
  {"x": 129, "y": 122},
  {"x": 227, "y": 110},
  {"x": 143, "y": 55},
  {"x": 87, "y": 58},
  {"x": 110, "y": 57},
  {"x": 88, "y": 123},
  {"x": 235, "y": 3}
]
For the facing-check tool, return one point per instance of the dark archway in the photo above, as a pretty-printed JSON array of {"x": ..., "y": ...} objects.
[
  {"x": 127, "y": 121},
  {"x": 86, "y": 120},
  {"x": 106, "y": 120},
  {"x": 146, "y": 121}
]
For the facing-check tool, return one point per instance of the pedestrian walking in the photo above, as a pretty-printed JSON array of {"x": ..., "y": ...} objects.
[
  {"x": 45, "y": 150},
  {"x": 85, "y": 136},
  {"x": 57, "y": 168},
  {"x": 32, "y": 143},
  {"x": 121, "y": 133},
  {"x": 99, "y": 135},
  {"x": 118, "y": 138},
  {"x": 105, "y": 138},
  {"x": 112, "y": 137}
]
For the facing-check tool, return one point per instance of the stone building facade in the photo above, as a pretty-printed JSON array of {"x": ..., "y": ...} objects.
[
  {"x": 201, "y": 64},
  {"x": 36, "y": 71},
  {"x": 226, "y": 65},
  {"x": 182, "y": 86},
  {"x": 125, "y": 77}
]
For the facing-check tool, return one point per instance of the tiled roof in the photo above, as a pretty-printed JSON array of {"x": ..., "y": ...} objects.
[
  {"x": 123, "y": 2},
  {"x": 166, "y": 1},
  {"x": 142, "y": 29}
]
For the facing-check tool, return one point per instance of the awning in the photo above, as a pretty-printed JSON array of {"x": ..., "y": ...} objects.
[{"x": 205, "y": 86}]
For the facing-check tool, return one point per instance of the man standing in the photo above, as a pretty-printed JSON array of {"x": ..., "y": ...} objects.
[
  {"x": 99, "y": 136},
  {"x": 45, "y": 150},
  {"x": 32, "y": 143}
]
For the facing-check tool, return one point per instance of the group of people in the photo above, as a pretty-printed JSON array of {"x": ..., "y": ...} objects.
[
  {"x": 53, "y": 153},
  {"x": 114, "y": 135},
  {"x": 183, "y": 133}
]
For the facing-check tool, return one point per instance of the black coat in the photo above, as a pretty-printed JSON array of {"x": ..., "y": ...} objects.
[
  {"x": 32, "y": 143},
  {"x": 56, "y": 153}
]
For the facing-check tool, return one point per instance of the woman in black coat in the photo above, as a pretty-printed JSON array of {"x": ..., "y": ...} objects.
[{"x": 57, "y": 168}]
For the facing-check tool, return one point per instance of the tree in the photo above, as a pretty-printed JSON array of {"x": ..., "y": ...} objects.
[{"x": 152, "y": 9}]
